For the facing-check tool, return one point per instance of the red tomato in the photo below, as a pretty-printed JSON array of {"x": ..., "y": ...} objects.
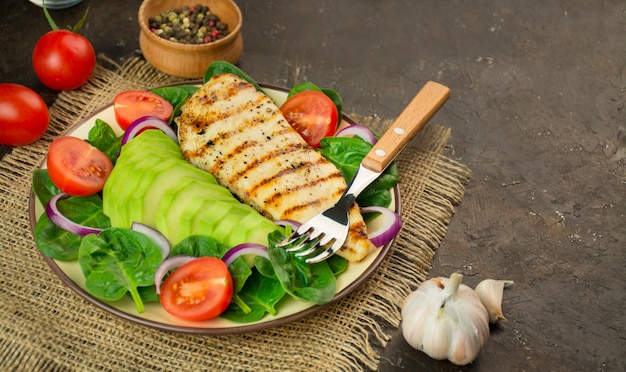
[
  {"x": 63, "y": 60},
  {"x": 24, "y": 115},
  {"x": 133, "y": 104},
  {"x": 76, "y": 167},
  {"x": 312, "y": 114},
  {"x": 198, "y": 290}
]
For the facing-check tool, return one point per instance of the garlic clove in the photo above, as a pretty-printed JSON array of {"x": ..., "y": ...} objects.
[{"x": 490, "y": 292}]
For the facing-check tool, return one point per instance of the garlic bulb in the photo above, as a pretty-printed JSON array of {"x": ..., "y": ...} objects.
[
  {"x": 445, "y": 320},
  {"x": 490, "y": 293}
]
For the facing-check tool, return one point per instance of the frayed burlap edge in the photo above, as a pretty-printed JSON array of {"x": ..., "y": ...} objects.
[{"x": 45, "y": 326}]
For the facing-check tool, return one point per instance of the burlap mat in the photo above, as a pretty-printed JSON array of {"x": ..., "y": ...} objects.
[{"x": 45, "y": 326}]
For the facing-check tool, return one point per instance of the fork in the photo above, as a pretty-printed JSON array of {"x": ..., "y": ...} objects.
[{"x": 328, "y": 230}]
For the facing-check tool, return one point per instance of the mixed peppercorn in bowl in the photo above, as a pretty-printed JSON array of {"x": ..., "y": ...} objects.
[
  {"x": 182, "y": 38},
  {"x": 195, "y": 24}
]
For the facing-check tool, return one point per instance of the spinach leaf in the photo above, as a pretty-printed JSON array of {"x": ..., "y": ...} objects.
[
  {"x": 223, "y": 67},
  {"x": 43, "y": 186},
  {"x": 199, "y": 246},
  {"x": 148, "y": 294},
  {"x": 336, "y": 98},
  {"x": 264, "y": 266},
  {"x": 118, "y": 261},
  {"x": 314, "y": 283},
  {"x": 302, "y": 87},
  {"x": 337, "y": 264},
  {"x": 102, "y": 137},
  {"x": 333, "y": 95},
  {"x": 59, "y": 244},
  {"x": 176, "y": 95},
  {"x": 55, "y": 242},
  {"x": 260, "y": 294},
  {"x": 346, "y": 153}
]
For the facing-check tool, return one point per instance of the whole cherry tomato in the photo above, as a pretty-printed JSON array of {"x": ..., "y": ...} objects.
[
  {"x": 63, "y": 59},
  {"x": 24, "y": 115}
]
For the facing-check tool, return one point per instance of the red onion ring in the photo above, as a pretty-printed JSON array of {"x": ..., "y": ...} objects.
[
  {"x": 291, "y": 223},
  {"x": 148, "y": 122},
  {"x": 167, "y": 265},
  {"x": 357, "y": 130},
  {"x": 244, "y": 249},
  {"x": 392, "y": 223},
  {"x": 155, "y": 235},
  {"x": 55, "y": 215}
]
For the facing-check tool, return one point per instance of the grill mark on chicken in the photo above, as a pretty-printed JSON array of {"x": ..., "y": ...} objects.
[
  {"x": 289, "y": 212},
  {"x": 291, "y": 148}
]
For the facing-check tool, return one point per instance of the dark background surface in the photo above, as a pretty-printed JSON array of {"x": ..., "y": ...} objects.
[{"x": 536, "y": 111}]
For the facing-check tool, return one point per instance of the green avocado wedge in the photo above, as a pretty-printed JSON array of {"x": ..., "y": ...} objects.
[{"x": 153, "y": 184}]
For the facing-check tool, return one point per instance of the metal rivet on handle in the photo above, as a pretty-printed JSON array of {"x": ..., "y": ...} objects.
[
  {"x": 380, "y": 152},
  {"x": 399, "y": 131}
]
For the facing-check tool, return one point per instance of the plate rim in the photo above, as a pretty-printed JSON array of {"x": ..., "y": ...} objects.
[{"x": 253, "y": 327}]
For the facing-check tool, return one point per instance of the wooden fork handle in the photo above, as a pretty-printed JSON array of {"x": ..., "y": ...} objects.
[{"x": 412, "y": 119}]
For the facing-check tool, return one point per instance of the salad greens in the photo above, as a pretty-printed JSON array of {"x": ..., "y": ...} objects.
[
  {"x": 43, "y": 186},
  {"x": 260, "y": 295},
  {"x": 118, "y": 261},
  {"x": 346, "y": 154},
  {"x": 314, "y": 283},
  {"x": 102, "y": 137},
  {"x": 223, "y": 67},
  {"x": 59, "y": 244},
  {"x": 176, "y": 95}
]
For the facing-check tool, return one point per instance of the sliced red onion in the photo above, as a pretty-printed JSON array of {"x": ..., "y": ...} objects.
[
  {"x": 148, "y": 122},
  {"x": 357, "y": 130},
  {"x": 55, "y": 215},
  {"x": 244, "y": 249},
  {"x": 391, "y": 225},
  {"x": 291, "y": 223},
  {"x": 155, "y": 235},
  {"x": 167, "y": 265}
]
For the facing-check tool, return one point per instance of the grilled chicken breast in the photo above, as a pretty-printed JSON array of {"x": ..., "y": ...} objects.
[{"x": 238, "y": 134}]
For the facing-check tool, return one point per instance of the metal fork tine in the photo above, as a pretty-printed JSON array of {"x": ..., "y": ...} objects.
[
  {"x": 326, "y": 253},
  {"x": 304, "y": 240},
  {"x": 306, "y": 252},
  {"x": 289, "y": 240}
]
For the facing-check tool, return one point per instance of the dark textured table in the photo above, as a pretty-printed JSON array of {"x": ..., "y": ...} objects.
[{"x": 536, "y": 111}]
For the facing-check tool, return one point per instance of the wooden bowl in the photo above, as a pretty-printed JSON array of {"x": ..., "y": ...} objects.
[{"x": 190, "y": 60}]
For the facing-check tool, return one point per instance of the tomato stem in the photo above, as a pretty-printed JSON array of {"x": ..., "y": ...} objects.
[
  {"x": 81, "y": 22},
  {"x": 55, "y": 27}
]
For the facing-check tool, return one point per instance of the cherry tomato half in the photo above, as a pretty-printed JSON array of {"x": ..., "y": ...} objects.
[
  {"x": 76, "y": 167},
  {"x": 133, "y": 104},
  {"x": 312, "y": 114},
  {"x": 63, "y": 60},
  {"x": 24, "y": 115},
  {"x": 198, "y": 290}
]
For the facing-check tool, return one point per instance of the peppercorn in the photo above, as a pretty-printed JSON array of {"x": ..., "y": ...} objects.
[{"x": 189, "y": 25}]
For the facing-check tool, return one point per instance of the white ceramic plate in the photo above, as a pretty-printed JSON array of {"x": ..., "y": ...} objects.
[{"x": 288, "y": 309}]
